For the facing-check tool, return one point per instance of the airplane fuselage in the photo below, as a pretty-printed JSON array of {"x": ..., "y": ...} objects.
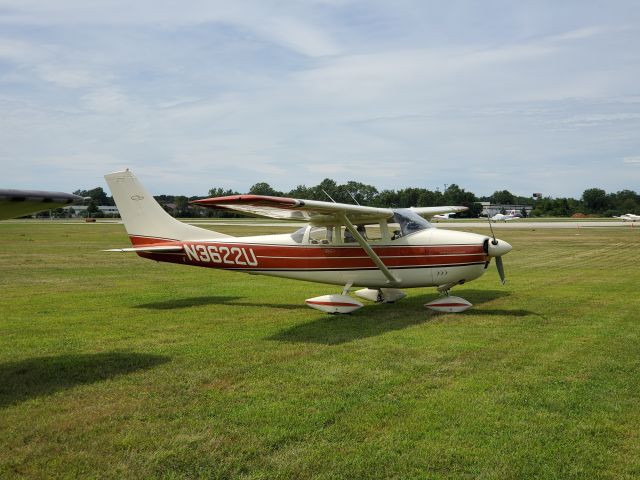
[{"x": 430, "y": 257}]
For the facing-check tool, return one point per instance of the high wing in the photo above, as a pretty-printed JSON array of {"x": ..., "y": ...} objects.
[
  {"x": 293, "y": 209},
  {"x": 312, "y": 211},
  {"x": 17, "y": 203},
  {"x": 429, "y": 212}
]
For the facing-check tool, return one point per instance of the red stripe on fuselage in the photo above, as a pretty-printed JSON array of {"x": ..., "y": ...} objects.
[{"x": 256, "y": 257}]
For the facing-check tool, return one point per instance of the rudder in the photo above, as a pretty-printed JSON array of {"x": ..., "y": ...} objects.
[{"x": 144, "y": 217}]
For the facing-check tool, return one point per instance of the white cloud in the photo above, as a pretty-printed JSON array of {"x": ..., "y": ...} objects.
[
  {"x": 231, "y": 93},
  {"x": 105, "y": 100},
  {"x": 631, "y": 160},
  {"x": 16, "y": 50},
  {"x": 64, "y": 77}
]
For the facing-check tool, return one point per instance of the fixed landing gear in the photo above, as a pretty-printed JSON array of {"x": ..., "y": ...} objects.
[
  {"x": 345, "y": 304},
  {"x": 448, "y": 303},
  {"x": 381, "y": 295},
  {"x": 335, "y": 303}
]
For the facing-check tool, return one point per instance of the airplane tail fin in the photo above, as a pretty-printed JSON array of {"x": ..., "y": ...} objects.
[{"x": 144, "y": 217}]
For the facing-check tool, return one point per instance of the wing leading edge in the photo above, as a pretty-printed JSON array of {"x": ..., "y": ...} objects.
[
  {"x": 293, "y": 209},
  {"x": 313, "y": 211}
]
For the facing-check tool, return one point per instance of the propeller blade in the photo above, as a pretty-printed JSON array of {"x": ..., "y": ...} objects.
[{"x": 500, "y": 268}]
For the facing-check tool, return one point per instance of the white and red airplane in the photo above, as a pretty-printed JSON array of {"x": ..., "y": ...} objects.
[{"x": 342, "y": 244}]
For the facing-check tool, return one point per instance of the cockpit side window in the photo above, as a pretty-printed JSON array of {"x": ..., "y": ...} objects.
[
  {"x": 409, "y": 221},
  {"x": 320, "y": 235},
  {"x": 298, "y": 235}
]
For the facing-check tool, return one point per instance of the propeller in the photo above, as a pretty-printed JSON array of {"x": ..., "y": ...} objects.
[
  {"x": 500, "y": 268},
  {"x": 500, "y": 250}
]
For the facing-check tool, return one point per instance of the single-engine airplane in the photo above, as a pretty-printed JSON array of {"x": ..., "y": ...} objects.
[
  {"x": 444, "y": 216},
  {"x": 342, "y": 244},
  {"x": 501, "y": 217},
  {"x": 629, "y": 217}
]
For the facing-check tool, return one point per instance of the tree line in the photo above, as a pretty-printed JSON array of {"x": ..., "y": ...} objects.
[{"x": 594, "y": 201}]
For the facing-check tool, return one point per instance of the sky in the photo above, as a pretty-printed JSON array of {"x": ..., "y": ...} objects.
[{"x": 529, "y": 96}]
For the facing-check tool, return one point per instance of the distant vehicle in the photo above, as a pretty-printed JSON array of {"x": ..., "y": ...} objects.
[
  {"x": 629, "y": 217},
  {"x": 400, "y": 249},
  {"x": 18, "y": 203}
]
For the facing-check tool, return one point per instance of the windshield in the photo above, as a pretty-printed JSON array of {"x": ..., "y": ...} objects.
[
  {"x": 409, "y": 221},
  {"x": 298, "y": 235}
]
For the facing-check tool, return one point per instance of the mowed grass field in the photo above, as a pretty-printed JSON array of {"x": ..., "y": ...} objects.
[{"x": 112, "y": 366}]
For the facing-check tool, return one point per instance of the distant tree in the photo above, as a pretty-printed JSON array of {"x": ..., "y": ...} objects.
[
  {"x": 557, "y": 207},
  {"x": 97, "y": 194},
  {"x": 220, "y": 192},
  {"x": 595, "y": 200},
  {"x": 454, "y": 195},
  {"x": 363, "y": 193},
  {"x": 182, "y": 206},
  {"x": 410, "y": 197},
  {"x": 624, "y": 201},
  {"x": 92, "y": 210},
  {"x": 429, "y": 198},
  {"x": 388, "y": 199},
  {"x": 503, "y": 197},
  {"x": 301, "y": 191},
  {"x": 332, "y": 189},
  {"x": 264, "y": 188}
]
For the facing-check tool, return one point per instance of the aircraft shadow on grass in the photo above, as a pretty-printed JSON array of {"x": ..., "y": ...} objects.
[
  {"x": 379, "y": 319},
  {"x": 34, "y": 377},
  {"x": 178, "y": 303},
  {"x": 367, "y": 322}
]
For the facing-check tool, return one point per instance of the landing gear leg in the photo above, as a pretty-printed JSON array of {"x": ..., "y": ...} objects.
[
  {"x": 381, "y": 295},
  {"x": 335, "y": 303}
]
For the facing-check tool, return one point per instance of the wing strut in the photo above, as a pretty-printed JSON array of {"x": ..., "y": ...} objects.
[{"x": 391, "y": 280}]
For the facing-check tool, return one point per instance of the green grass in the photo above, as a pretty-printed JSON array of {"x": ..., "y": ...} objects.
[{"x": 113, "y": 366}]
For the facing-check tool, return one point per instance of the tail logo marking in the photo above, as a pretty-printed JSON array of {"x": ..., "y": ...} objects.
[{"x": 137, "y": 198}]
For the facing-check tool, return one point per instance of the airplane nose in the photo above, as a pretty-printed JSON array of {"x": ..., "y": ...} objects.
[{"x": 499, "y": 248}]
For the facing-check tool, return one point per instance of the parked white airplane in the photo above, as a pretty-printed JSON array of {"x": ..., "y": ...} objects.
[
  {"x": 336, "y": 247},
  {"x": 500, "y": 217},
  {"x": 444, "y": 216},
  {"x": 629, "y": 217}
]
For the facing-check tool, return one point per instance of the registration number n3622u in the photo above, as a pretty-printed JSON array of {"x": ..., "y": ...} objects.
[{"x": 221, "y": 255}]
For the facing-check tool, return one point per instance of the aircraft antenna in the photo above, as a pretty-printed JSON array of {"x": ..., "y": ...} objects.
[
  {"x": 325, "y": 192},
  {"x": 354, "y": 198},
  {"x": 494, "y": 241}
]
